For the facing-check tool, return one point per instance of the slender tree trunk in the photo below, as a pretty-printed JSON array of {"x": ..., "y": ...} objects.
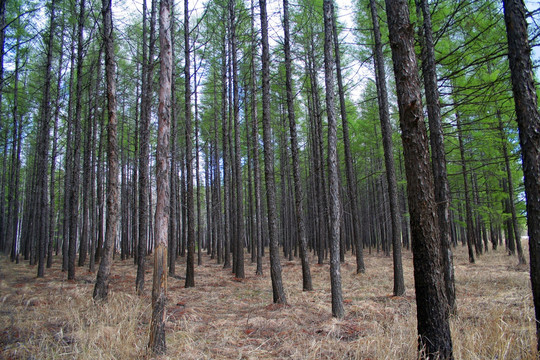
[
  {"x": 173, "y": 198},
  {"x": 528, "y": 119},
  {"x": 197, "y": 170},
  {"x": 239, "y": 241},
  {"x": 13, "y": 193},
  {"x": 471, "y": 240},
  {"x": 298, "y": 193},
  {"x": 225, "y": 155},
  {"x": 190, "y": 261},
  {"x": 42, "y": 152},
  {"x": 521, "y": 257},
  {"x": 69, "y": 156},
  {"x": 75, "y": 171},
  {"x": 438, "y": 156},
  {"x": 255, "y": 141},
  {"x": 275, "y": 262},
  {"x": 159, "y": 290},
  {"x": 102, "y": 280},
  {"x": 386, "y": 132},
  {"x": 434, "y": 338},
  {"x": 333, "y": 178},
  {"x": 144, "y": 144}
]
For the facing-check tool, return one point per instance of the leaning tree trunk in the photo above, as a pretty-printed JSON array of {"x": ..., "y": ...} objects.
[
  {"x": 433, "y": 327},
  {"x": 275, "y": 263},
  {"x": 333, "y": 177},
  {"x": 386, "y": 132},
  {"x": 159, "y": 290},
  {"x": 528, "y": 119},
  {"x": 102, "y": 280}
]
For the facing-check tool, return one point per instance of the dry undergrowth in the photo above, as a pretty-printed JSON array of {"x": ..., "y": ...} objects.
[{"x": 224, "y": 318}]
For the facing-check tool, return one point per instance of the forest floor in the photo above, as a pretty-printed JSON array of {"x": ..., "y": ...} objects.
[{"x": 225, "y": 318}]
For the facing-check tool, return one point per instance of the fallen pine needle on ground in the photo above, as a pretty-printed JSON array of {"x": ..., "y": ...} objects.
[{"x": 228, "y": 318}]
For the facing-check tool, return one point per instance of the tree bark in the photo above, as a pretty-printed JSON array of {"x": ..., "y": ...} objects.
[
  {"x": 144, "y": 145},
  {"x": 298, "y": 193},
  {"x": 239, "y": 206},
  {"x": 438, "y": 156},
  {"x": 190, "y": 261},
  {"x": 434, "y": 338},
  {"x": 275, "y": 262},
  {"x": 471, "y": 240},
  {"x": 75, "y": 171},
  {"x": 42, "y": 152},
  {"x": 102, "y": 280},
  {"x": 333, "y": 178},
  {"x": 386, "y": 132},
  {"x": 159, "y": 290},
  {"x": 528, "y": 119}
]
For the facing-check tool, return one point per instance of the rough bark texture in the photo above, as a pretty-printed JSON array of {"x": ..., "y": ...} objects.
[
  {"x": 334, "y": 204},
  {"x": 471, "y": 239},
  {"x": 510, "y": 182},
  {"x": 102, "y": 280},
  {"x": 144, "y": 145},
  {"x": 239, "y": 242},
  {"x": 75, "y": 171},
  {"x": 275, "y": 262},
  {"x": 159, "y": 290},
  {"x": 438, "y": 156},
  {"x": 43, "y": 152},
  {"x": 433, "y": 328},
  {"x": 386, "y": 132},
  {"x": 528, "y": 119},
  {"x": 298, "y": 193},
  {"x": 349, "y": 171},
  {"x": 190, "y": 203},
  {"x": 255, "y": 141}
]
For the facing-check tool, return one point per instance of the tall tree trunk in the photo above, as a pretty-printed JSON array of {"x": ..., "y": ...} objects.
[
  {"x": 255, "y": 141},
  {"x": 521, "y": 257},
  {"x": 349, "y": 172},
  {"x": 13, "y": 193},
  {"x": 225, "y": 155},
  {"x": 42, "y": 151},
  {"x": 144, "y": 143},
  {"x": 102, "y": 280},
  {"x": 69, "y": 156},
  {"x": 159, "y": 290},
  {"x": 528, "y": 119},
  {"x": 471, "y": 241},
  {"x": 438, "y": 156},
  {"x": 173, "y": 198},
  {"x": 275, "y": 262},
  {"x": 434, "y": 338},
  {"x": 298, "y": 193},
  {"x": 75, "y": 171},
  {"x": 386, "y": 132},
  {"x": 239, "y": 206},
  {"x": 190, "y": 261},
  {"x": 333, "y": 177},
  {"x": 197, "y": 170}
]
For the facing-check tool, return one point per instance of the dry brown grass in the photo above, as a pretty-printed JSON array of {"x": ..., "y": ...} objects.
[{"x": 223, "y": 318}]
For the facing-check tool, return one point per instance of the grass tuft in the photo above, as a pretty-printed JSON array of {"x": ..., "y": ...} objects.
[{"x": 224, "y": 318}]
